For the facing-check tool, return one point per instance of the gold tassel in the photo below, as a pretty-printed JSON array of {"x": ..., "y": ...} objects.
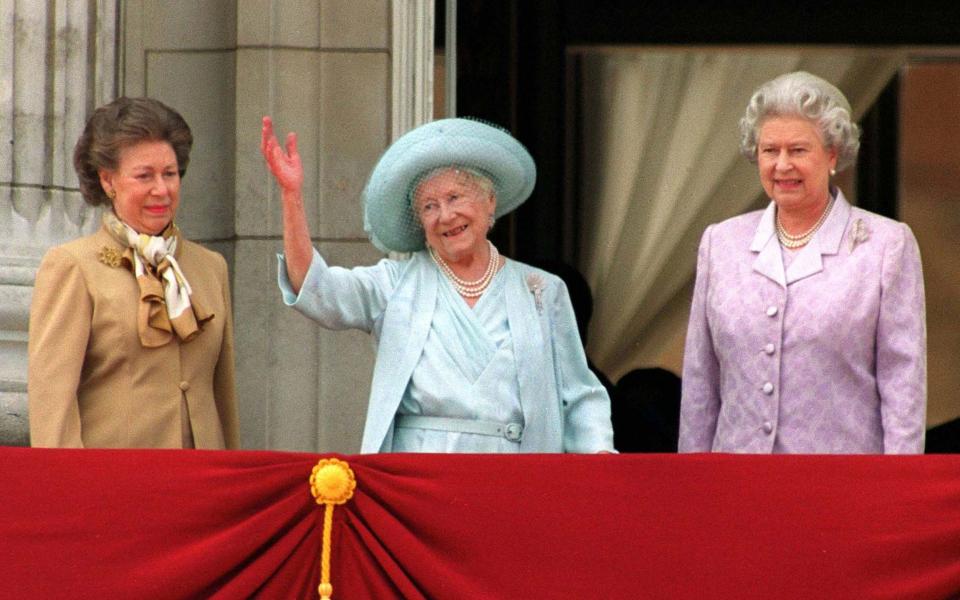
[{"x": 331, "y": 482}]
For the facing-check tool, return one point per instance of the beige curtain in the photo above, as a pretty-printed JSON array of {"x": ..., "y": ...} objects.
[{"x": 660, "y": 161}]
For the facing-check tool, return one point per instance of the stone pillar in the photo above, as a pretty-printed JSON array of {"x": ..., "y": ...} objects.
[{"x": 57, "y": 61}]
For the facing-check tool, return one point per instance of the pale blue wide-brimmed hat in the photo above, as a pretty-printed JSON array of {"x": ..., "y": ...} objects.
[{"x": 388, "y": 216}]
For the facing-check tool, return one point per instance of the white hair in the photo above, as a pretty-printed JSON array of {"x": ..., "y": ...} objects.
[
  {"x": 482, "y": 181},
  {"x": 804, "y": 95}
]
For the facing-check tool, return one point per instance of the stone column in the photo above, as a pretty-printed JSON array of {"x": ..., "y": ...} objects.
[{"x": 57, "y": 61}]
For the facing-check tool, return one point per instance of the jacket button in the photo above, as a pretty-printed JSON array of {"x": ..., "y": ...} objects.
[
  {"x": 769, "y": 348},
  {"x": 184, "y": 385},
  {"x": 767, "y": 388},
  {"x": 771, "y": 311},
  {"x": 767, "y": 427}
]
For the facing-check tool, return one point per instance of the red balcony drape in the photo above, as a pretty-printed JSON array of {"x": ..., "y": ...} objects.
[{"x": 142, "y": 524}]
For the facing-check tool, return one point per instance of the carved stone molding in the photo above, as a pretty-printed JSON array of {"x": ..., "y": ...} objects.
[{"x": 57, "y": 62}]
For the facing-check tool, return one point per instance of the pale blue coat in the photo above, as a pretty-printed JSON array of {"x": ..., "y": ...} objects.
[{"x": 565, "y": 408}]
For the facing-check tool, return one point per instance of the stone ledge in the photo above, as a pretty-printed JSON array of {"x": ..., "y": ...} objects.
[{"x": 14, "y": 424}]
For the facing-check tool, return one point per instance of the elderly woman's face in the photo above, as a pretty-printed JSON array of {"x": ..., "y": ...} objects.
[
  {"x": 145, "y": 186},
  {"x": 455, "y": 213},
  {"x": 793, "y": 162}
]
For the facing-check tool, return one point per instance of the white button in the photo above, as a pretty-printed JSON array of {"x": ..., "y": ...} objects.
[
  {"x": 772, "y": 311},
  {"x": 769, "y": 348},
  {"x": 767, "y": 426},
  {"x": 768, "y": 388}
]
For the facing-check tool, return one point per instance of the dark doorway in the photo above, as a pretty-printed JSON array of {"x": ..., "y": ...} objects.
[{"x": 512, "y": 70}]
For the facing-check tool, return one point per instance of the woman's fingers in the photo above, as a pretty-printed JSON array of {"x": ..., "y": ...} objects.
[
  {"x": 283, "y": 164},
  {"x": 270, "y": 148},
  {"x": 291, "y": 144},
  {"x": 266, "y": 136}
]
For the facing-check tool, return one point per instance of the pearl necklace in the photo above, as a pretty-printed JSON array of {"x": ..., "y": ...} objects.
[
  {"x": 470, "y": 289},
  {"x": 796, "y": 241}
]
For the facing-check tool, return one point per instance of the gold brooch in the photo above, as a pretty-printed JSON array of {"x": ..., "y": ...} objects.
[{"x": 110, "y": 256}]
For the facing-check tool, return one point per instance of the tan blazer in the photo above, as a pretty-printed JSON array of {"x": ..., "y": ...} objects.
[{"x": 90, "y": 381}]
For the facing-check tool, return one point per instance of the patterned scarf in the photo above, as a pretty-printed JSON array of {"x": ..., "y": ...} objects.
[{"x": 165, "y": 307}]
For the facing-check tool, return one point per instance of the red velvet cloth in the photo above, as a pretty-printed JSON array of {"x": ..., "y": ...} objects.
[{"x": 141, "y": 524}]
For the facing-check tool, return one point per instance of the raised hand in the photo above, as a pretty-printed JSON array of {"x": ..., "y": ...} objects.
[{"x": 285, "y": 166}]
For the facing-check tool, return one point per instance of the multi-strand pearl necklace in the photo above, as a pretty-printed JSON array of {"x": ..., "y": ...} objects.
[
  {"x": 470, "y": 289},
  {"x": 796, "y": 241}
]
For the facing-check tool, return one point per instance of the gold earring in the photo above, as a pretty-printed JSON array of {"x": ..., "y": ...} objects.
[{"x": 111, "y": 194}]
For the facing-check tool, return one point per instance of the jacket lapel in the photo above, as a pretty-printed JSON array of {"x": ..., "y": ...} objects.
[
  {"x": 809, "y": 261},
  {"x": 826, "y": 241},
  {"x": 806, "y": 263},
  {"x": 534, "y": 360},
  {"x": 405, "y": 328},
  {"x": 769, "y": 262}
]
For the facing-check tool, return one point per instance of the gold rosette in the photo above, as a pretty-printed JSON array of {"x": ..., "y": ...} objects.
[
  {"x": 110, "y": 256},
  {"x": 331, "y": 482}
]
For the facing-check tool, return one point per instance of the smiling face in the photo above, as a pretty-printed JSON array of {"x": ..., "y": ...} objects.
[
  {"x": 455, "y": 211},
  {"x": 145, "y": 186},
  {"x": 793, "y": 162}
]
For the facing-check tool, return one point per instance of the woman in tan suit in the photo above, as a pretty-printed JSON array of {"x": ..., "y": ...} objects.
[{"x": 131, "y": 331}]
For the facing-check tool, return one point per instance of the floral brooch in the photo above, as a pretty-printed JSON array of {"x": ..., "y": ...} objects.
[
  {"x": 110, "y": 256},
  {"x": 858, "y": 234},
  {"x": 535, "y": 284}
]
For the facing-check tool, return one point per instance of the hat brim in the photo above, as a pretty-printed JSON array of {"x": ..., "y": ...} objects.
[{"x": 388, "y": 216}]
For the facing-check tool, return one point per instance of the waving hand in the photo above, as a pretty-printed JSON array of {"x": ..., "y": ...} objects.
[
  {"x": 288, "y": 171},
  {"x": 285, "y": 166}
]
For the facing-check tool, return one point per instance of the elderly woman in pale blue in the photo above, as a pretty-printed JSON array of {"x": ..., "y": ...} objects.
[
  {"x": 475, "y": 352},
  {"x": 807, "y": 329}
]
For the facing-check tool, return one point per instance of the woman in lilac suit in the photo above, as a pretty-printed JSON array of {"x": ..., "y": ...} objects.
[{"x": 807, "y": 330}]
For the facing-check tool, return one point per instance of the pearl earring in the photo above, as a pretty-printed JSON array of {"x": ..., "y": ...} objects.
[{"x": 833, "y": 172}]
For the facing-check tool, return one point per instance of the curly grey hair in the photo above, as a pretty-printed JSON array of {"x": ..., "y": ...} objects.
[{"x": 805, "y": 95}]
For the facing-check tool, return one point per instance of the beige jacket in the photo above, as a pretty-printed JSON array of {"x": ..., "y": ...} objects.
[{"x": 90, "y": 381}]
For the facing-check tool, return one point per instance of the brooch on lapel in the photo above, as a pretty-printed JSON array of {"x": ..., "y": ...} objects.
[
  {"x": 535, "y": 285},
  {"x": 110, "y": 256},
  {"x": 858, "y": 234}
]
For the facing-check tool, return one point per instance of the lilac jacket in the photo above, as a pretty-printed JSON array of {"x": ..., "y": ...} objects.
[{"x": 828, "y": 356}]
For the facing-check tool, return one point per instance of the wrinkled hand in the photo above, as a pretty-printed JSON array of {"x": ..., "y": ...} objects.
[{"x": 285, "y": 166}]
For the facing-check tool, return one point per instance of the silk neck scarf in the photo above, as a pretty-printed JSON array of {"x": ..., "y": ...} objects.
[{"x": 165, "y": 308}]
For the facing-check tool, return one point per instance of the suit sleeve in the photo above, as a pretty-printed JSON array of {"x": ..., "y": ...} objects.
[
  {"x": 60, "y": 316},
  {"x": 339, "y": 298},
  {"x": 902, "y": 347},
  {"x": 224, "y": 382},
  {"x": 700, "y": 396},
  {"x": 584, "y": 401}
]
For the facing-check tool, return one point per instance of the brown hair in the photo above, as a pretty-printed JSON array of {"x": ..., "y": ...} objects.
[{"x": 118, "y": 125}]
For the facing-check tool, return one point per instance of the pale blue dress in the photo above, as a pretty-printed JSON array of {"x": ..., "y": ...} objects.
[
  {"x": 467, "y": 371},
  {"x": 513, "y": 362}
]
